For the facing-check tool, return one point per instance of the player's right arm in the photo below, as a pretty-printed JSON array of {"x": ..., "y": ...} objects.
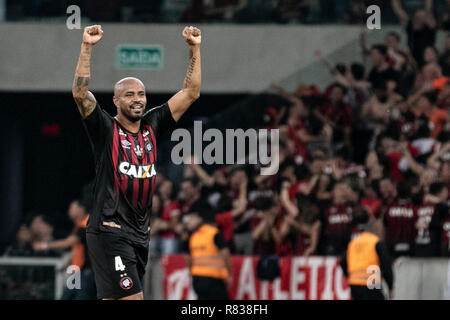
[{"x": 84, "y": 99}]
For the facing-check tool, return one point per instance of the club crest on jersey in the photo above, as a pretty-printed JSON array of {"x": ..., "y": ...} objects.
[
  {"x": 137, "y": 171},
  {"x": 138, "y": 150},
  {"x": 126, "y": 144},
  {"x": 126, "y": 283},
  {"x": 148, "y": 147}
]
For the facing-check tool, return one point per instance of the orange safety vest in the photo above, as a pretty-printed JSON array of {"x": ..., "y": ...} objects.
[
  {"x": 206, "y": 258},
  {"x": 361, "y": 254}
]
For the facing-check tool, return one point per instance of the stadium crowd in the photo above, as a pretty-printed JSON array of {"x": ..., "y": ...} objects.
[
  {"x": 375, "y": 140},
  {"x": 216, "y": 11}
]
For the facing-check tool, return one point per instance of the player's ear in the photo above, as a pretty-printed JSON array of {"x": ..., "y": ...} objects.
[{"x": 116, "y": 101}]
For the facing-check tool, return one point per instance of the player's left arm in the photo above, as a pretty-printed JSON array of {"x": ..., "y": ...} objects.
[{"x": 183, "y": 99}]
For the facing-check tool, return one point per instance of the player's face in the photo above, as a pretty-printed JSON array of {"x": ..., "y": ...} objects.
[{"x": 131, "y": 100}]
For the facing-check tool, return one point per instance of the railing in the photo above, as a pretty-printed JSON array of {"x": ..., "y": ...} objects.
[{"x": 32, "y": 277}]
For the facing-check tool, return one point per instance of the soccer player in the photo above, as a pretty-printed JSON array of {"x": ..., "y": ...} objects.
[{"x": 125, "y": 152}]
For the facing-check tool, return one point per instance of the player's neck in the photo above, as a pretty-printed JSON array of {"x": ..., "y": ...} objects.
[{"x": 133, "y": 127}]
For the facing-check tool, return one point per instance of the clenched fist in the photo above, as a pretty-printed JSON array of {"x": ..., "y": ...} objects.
[
  {"x": 92, "y": 34},
  {"x": 192, "y": 35}
]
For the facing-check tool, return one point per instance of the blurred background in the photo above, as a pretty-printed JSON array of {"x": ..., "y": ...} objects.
[{"x": 363, "y": 119}]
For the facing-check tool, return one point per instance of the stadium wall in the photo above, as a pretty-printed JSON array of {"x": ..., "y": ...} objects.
[{"x": 235, "y": 58}]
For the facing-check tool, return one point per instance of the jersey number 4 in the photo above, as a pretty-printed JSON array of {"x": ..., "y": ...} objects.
[{"x": 119, "y": 264}]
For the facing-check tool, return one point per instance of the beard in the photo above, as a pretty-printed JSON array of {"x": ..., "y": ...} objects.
[{"x": 131, "y": 116}]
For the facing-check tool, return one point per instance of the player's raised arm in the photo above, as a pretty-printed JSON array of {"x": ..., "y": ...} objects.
[
  {"x": 181, "y": 101},
  {"x": 83, "y": 97}
]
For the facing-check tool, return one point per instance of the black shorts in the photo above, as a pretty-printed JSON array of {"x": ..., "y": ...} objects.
[
  {"x": 208, "y": 288},
  {"x": 118, "y": 264},
  {"x": 364, "y": 293}
]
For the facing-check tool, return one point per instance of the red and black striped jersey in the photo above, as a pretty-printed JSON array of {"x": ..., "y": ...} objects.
[
  {"x": 125, "y": 171},
  {"x": 400, "y": 225}
]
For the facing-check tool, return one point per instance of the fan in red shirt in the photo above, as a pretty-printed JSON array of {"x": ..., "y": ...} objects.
[
  {"x": 226, "y": 213},
  {"x": 336, "y": 221},
  {"x": 265, "y": 231},
  {"x": 190, "y": 191},
  {"x": 399, "y": 222},
  {"x": 300, "y": 222},
  {"x": 336, "y": 111},
  {"x": 434, "y": 209},
  {"x": 170, "y": 218}
]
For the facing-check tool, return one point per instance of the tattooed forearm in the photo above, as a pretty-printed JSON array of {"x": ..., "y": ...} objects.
[
  {"x": 82, "y": 81},
  {"x": 84, "y": 99},
  {"x": 86, "y": 105},
  {"x": 187, "y": 80},
  {"x": 83, "y": 71},
  {"x": 193, "y": 73}
]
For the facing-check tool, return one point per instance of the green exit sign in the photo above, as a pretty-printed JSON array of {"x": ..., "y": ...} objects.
[{"x": 140, "y": 56}]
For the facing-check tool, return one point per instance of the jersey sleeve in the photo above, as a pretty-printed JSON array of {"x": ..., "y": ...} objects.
[
  {"x": 98, "y": 124},
  {"x": 160, "y": 119}
]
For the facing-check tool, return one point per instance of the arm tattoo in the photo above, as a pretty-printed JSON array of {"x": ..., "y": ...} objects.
[
  {"x": 84, "y": 99},
  {"x": 82, "y": 81},
  {"x": 187, "y": 80}
]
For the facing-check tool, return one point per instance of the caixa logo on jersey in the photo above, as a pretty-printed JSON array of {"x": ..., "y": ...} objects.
[{"x": 137, "y": 171}]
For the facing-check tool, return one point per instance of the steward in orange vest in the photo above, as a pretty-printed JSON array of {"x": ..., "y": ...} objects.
[
  {"x": 366, "y": 261},
  {"x": 209, "y": 258},
  {"x": 77, "y": 241}
]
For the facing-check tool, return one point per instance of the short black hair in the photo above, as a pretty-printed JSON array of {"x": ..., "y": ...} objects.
[
  {"x": 380, "y": 48},
  {"x": 357, "y": 70},
  {"x": 194, "y": 181},
  {"x": 436, "y": 187},
  {"x": 403, "y": 190},
  {"x": 380, "y": 84},
  {"x": 360, "y": 215},
  {"x": 340, "y": 86},
  {"x": 204, "y": 210},
  {"x": 430, "y": 96},
  {"x": 341, "y": 68},
  {"x": 224, "y": 204},
  {"x": 443, "y": 136},
  {"x": 265, "y": 203}
]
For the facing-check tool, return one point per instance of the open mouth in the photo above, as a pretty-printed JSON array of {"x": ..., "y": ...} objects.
[{"x": 137, "y": 107}]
